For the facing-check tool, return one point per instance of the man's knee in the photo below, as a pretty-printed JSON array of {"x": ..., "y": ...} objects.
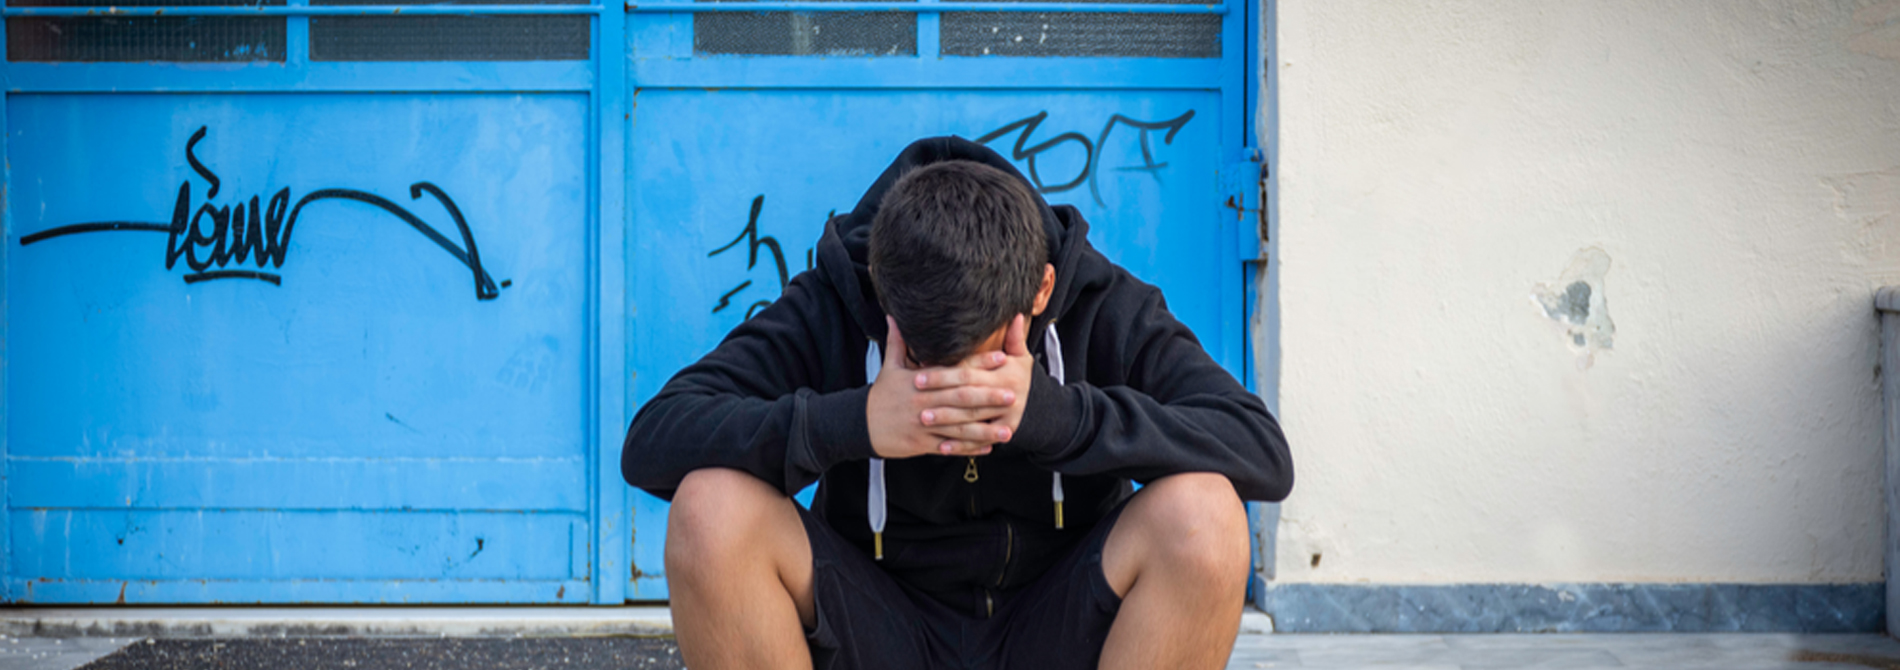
[
  {"x": 717, "y": 515},
  {"x": 1197, "y": 526}
]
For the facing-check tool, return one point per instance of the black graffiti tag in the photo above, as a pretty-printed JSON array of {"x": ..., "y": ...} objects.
[
  {"x": 1023, "y": 151},
  {"x": 259, "y": 232},
  {"x": 754, "y": 241}
]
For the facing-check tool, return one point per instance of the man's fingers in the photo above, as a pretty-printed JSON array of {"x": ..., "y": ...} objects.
[
  {"x": 985, "y": 433},
  {"x": 963, "y": 448},
  {"x": 988, "y": 360},
  {"x": 942, "y": 378},
  {"x": 1016, "y": 340},
  {"x": 973, "y": 370},
  {"x": 935, "y": 379},
  {"x": 944, "y": 416},
  {"x": 966, "y": 397}
]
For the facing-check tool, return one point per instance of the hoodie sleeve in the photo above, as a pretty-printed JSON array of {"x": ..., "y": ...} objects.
[
  {"x": 751, "y": 404},
  {"x": 1178, "y": 412}
]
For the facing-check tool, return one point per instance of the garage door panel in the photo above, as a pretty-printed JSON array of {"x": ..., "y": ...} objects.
[
  {"x": 353, "y": 483},
  {"x": 259, "y": 591},
  {"x": 142, "y": 545},
  {"x": 368, "y": 336},
  {"x": 296, "y": 338}
]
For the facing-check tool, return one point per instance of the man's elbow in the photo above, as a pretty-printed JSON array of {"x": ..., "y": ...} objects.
[
  {"x": 638, "y": 459},
  {"x": 630, "y": 459},
  {"x": 1278, "y": 488},
  {"x": 640, "y": 472},
  {"x": 1273, "y": 473}
]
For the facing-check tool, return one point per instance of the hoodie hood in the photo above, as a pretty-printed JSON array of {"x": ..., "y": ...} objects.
[{"x": 844, "y": 250}]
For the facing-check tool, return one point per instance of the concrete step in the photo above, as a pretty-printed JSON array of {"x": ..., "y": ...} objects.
[{"x": 204, "y": 622}]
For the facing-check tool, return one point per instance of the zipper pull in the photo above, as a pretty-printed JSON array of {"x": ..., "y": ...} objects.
[{"x": 969, "y": 471}]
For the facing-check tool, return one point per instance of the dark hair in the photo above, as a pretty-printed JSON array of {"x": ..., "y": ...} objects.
[{"x": 957, "y": 250}]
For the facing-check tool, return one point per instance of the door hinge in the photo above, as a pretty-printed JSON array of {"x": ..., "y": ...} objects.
[{"x": 1241, "y": 182}]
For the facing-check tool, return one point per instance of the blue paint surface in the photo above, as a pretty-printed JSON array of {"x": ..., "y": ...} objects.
[
  {"x": 726, "y": 153},
  {"x": 389, "y": 409},
  {"x": 189, "y": 544},
  {"x": 360, "y": 405}
]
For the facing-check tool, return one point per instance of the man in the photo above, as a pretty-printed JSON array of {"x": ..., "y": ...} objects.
[{"x": 973, "y": 386}]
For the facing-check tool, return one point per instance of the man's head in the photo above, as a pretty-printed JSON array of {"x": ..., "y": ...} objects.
[{"x": 957, "y": 251}]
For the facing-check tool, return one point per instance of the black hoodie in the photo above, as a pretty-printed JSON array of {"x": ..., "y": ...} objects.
[{"x": 782, "y": 397}]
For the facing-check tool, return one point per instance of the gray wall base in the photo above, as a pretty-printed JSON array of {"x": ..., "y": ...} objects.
[{"x": 1561, "y": 608}]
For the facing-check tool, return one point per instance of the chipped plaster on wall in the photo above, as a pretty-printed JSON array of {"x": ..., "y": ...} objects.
[
  {"x": 1435, "y": 159},
  {"x": 1578, "y": 304}
]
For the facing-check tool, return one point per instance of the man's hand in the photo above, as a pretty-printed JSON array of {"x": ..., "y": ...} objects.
[
  {"x": 1008, "y": 371},
  {"x": 898, "y": 403}
]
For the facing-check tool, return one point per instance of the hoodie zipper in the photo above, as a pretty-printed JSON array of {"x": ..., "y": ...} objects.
[
  {"x": 1009, "y": 544},
  {"x": 969, "y": 477}
]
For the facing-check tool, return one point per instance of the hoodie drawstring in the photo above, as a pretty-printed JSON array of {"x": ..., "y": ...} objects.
[
  {"x": 1052, "y": 355},
  {"x": 875, "y": 505}
]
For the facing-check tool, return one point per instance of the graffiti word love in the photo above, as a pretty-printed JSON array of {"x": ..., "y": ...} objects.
[
  {"x": 213, "y": 238},
  {"x": 1024, "y": 151}
]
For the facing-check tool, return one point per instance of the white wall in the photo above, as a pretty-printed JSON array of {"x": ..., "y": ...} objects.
[{"x": 1739, "y": 164}]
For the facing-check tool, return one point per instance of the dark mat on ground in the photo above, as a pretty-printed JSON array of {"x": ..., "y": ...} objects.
[{"x": 325, "y": 653}]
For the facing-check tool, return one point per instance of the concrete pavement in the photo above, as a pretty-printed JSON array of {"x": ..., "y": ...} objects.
[
  {"x": 1645, "y": 651},
  {"x": 600, "y": 637},
  {"x": 44, "y": 653}
]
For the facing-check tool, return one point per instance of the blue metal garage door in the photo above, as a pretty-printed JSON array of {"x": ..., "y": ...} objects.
[
  {"x": 301, "y": 305},
  {"x": 749, "y": 128},
  {"x": 323, "y": 301}
]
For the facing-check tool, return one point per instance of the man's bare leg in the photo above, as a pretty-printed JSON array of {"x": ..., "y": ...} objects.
[
  {"x": 738, "y": 566},
  {"x": 1178, "y": 556}
]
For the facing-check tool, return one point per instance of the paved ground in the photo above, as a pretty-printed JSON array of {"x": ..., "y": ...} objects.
[
  {"x": 1661, "y": 651},
  {"x": 397, "y": 654},
  {"x": 589, "y": 638},
  {"x": 39, "y": 653},
  {"x": 1387, "y": 652}
]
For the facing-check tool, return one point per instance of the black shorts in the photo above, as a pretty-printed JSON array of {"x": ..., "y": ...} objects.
[{"x": 869, "y": 620}]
